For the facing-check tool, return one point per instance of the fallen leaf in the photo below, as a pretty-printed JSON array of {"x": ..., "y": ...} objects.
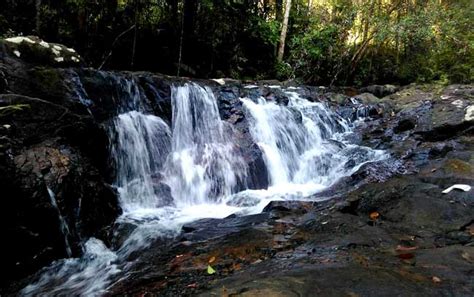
[
  {"x": 256, "y": 261},
  {"x": 224, "y": 292},
  {"x": 466, "y": 256},
  {"x": 406, "y": 256},
  {"x": 210, "y": 270},
  {"x": 407, "y": 238},
  {"x": 405, "y": 248},
  {"x": 374, "y": 215},
  {"x": 470, "y": 229},
  {"x": 362, "y": 260},
  {"x": 236, "y": 266},
  {"x": 436, "y": 279},
  {"x": 211, "y": 260}
]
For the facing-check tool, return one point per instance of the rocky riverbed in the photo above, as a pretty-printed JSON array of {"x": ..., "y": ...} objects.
[{"x": 386, "y": 230}]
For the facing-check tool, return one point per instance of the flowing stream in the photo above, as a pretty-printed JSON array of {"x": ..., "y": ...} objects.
[{"x": 168, "y": 176}]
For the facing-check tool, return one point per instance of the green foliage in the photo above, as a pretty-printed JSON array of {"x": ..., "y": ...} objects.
[
  {"x": 314, "y": 53},
  {"x": 5, "y": 110},
  {"x": 210, "y": 270},
  {"x": 284, "y": 71}
]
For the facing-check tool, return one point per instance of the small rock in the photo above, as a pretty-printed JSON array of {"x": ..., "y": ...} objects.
[
  {"x": 219, "y": 81},
  {"x": 469, "y": 113}
]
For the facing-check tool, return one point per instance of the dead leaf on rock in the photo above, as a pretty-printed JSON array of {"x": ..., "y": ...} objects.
[
  {"x": 374, "y": 215},
  {"x": 466, "y": 256},
  {"x": 256, "y": 261},
  {"x": 407, "y": 256},
  {"x": 470, "y": 229},
  {"x": 362, "y": 260},
  {"x": 236, "y": 266},
  {"x": 406, "y": 248},
  {"x": 224, "y": 292},
  {"x": 211, "y": 260}
]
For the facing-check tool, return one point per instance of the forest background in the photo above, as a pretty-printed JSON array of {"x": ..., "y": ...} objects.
[{"x": 320, "y": 42}]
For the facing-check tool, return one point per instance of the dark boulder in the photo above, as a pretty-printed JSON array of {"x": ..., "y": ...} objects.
[
  {"x": 231, "y": 110},
  {"x": 40, "y": 163},
  {"x": 380, "y": 90},
  {"x": 404, "y": 125}
]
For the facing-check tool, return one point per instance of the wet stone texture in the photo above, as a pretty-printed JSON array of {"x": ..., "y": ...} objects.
[{"x": 386, "y": 231}]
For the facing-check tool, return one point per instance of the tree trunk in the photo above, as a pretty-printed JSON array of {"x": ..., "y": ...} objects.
[
  {"x": 180, "y": 51},
  {"x": 284, "y": 29},
  {"x": 134, "y": 35},
  {"x": 38, "y": 16}
]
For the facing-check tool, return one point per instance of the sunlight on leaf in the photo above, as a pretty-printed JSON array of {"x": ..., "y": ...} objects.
[{"x": 210, "y": 270}]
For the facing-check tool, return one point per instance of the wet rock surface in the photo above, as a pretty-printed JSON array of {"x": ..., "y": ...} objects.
[
  {"x": 386, "y": 230},
  {"x": 46, "y": 150}
]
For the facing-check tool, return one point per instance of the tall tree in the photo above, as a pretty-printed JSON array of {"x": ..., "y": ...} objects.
[
  {"x": 284, "y": 29},
  {"x": 135, "y": 13},
  {"x": 180, "y": 51},
  {"x": 38, "y": 16}
]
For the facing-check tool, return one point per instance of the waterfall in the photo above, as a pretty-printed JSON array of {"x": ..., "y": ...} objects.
[
  {"x": 167, "y": 177},
  {"x": 196, "y": 160},
  {"x": 87, "y": 276},
  {"x": 140, "y": 145},
  {"x": 304, "y": 143},
  {"x": 203, "y": 165}
]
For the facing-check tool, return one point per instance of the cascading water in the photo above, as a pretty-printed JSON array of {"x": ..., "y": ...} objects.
[
  {"x": 62, "y": 223},
  {"x": 141, "y": 143},
  {"x": 304, "y": 143},
  {"x": 87, "y": 276},
  {"x": 168, "y": 177},
  {"x": 203, "y": 165}
]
